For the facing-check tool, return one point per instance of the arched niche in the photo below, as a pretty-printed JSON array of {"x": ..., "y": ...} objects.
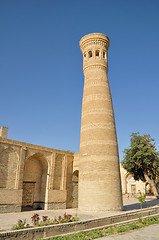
[
  {"x": 104, "y": 55},
  {"x": 8, "y": 167},
  {"x": 85, "y": 56},
  {"x": 34, "y": 182},
  {"x": 75, "y": 189},
  {"x": 97, "y": 53},
  {"x": 148, "y": 189},
  {"x": 90, "y": 54},
  {"x": 128, "y": 178}
]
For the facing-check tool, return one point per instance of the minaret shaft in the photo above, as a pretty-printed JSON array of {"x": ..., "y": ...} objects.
[{"x": 99, "y": 174}]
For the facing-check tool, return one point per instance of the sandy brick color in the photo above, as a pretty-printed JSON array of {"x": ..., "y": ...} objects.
[
  {"x": 3, "y": 132},
  {"x": 99, "y": 174},
  {"x": 34, "y": 176}
]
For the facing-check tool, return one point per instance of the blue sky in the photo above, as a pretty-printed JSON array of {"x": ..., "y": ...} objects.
[{"x": 41, "y": 76}]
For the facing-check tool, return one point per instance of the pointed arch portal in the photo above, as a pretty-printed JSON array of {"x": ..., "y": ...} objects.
[{"x": 34, "y": 182}]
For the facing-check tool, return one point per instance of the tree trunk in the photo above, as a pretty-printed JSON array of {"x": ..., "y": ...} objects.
[{"x": 152, "y": 184}]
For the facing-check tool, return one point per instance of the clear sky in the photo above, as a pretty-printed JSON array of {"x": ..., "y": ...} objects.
[{"x": 41, "y": 75}]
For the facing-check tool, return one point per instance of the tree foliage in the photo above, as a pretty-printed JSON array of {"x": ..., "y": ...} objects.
[
  {"x": 141, "y": 159},
  {"x": 141, "y": 198}
]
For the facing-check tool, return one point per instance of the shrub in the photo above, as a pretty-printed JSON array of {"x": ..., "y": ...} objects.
[
  {"x": 20, "y": 225},
  {"x": 35, "y": 219},
  {"x": 45, "y": 221},
  {"x": 141, "y": 198}
]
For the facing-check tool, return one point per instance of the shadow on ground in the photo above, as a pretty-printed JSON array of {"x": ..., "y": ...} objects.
[
  {"x": 27, "y": 208},
  {"x": 134, "y": 206}
]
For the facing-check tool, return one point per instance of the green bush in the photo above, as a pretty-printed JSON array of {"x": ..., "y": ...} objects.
[
  {"x": 141, "y": 198},
  {"x": 20, "y": 225}
]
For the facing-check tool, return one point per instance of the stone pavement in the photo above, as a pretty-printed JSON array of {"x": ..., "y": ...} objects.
[
  {"x": 7, "y": 220},
  {"x": 146, "y": 233}
]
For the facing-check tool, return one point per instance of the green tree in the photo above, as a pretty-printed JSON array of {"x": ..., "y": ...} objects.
[
  {"x": 141, "y": 198},
  {"x": 141, "y": 159}
]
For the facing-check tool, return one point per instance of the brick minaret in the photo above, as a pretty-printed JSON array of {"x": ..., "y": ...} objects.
[{"x": 99, "y": 174}]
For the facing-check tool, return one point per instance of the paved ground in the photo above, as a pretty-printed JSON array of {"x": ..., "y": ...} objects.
[
  {"x": 7, "y": 220},
  {"x": 146, "y": 233}
]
